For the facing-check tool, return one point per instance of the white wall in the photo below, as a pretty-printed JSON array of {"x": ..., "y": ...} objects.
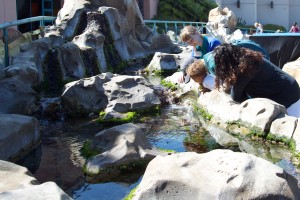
[
  {"x": 294, "y": 12},
  {"x": 284, "y": 12},
  {"x": 279, "y": 14},
  {"x": 246, "y": 11}
]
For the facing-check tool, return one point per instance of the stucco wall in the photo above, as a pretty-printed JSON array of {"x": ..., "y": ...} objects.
[
  {"x": 8, "y": 11},
  {"x": 150, "y": 8},
  {"x": 284, "y": 12},
  {"x": 294, "y": 12}
]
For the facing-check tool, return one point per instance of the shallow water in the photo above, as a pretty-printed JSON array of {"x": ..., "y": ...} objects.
[
  {"x": 58, "y": 157},
  {"x": 105, "y": 191},
  {"x": 166, "y": 131}
]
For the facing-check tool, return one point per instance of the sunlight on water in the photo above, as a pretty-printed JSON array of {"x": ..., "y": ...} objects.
[{"x": 105, "y": 191}]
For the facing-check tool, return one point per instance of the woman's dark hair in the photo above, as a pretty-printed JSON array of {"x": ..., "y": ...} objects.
[{"x": 232, "y": 61}]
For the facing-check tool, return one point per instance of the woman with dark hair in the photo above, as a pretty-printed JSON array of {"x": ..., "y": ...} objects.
[{"x": 250, "y": 75}]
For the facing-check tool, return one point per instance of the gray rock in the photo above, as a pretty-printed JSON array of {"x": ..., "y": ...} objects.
[
  {"x": 219, "y": 174},
  {"x": 16, "y": 182},
  {"x": 121, "y": 146},
  {"x": 45, "y": 191},
  {"x": 86, "y": 95},
  {"x": 71, "y": 63},
  {"x": 284, "y": 126},
  {"x": 13, "y": 177},
  {"x": 15, "y": 96},
  {"x": 112, "y": 93},
  {"x": 220, "y": 105},
  {"x": 18, "y": 134},
  {"x": 260, "y": 112}
]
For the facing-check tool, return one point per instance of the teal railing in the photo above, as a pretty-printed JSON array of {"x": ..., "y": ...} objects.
[
  {"x": 172, "y": 25},
  {"x": 6, "y": 25},
  {"x": 247, "y": 30},
  {"x": 154, "y": 24}
]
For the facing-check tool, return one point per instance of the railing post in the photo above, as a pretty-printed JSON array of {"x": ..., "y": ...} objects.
[
  {"x": 154, "y": 28},
  {"x": 176, "y": 31},
  {"x": 5, "y": 40},
  {"x": 166, "y": 27}
]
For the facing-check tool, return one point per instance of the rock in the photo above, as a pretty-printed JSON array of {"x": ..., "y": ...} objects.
[
  {"x": 18, "y": 135},
  {"x": 284, "y": 126},
  {"x": 293, "y": 69},
  {"x": 15, "y": 96},
  {"x": 122, "y": 146},
  {"x": 219, "y": 174},
  {"x": 260, "y": 112},
  {"x": 18, "y": 183},
  {"x": 112, "y": 93}
]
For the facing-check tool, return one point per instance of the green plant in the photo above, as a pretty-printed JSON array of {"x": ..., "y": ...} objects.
[
  {"x": 131, "y": 194},
  {"x": 184, "y": 10},
  {"x": 128, "y": 117},
  {"x": 167, "y": 150},
  {"x": 171, "y": 86},
  {"x": 202, "y": 112},
  {"x": 132, "y": 116},
  {"x": 87, "y": 151},
  {"x": 273, "y": 27}
]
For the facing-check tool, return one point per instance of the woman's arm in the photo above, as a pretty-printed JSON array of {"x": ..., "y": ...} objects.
[{"x": 238, "y": 92}]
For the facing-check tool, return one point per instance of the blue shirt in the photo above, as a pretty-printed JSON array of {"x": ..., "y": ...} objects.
[{"x": 208, "y": 45}]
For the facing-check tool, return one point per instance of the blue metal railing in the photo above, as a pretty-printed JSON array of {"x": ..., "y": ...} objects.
[
  {"x": 172, "y": 25},
  {"x": 247, "y": 30},
  {"x": 168, "y": 25},
  {"x": 6, "y": 25}
]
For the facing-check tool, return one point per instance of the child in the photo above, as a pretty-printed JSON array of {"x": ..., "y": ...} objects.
[
  {"x": 259, "y": 28},
  {"x": 198, "y": 72},
  {"x": 201, "y": 45}
]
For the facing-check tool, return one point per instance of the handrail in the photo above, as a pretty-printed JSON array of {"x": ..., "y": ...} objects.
[
  {"x": 28, "y": 20},
  {"x": 50, "y": 18},
  {"x": 247, "y": 30},
  {"x": 175, "y": 25},
  {"x": 6, "y": 25}
]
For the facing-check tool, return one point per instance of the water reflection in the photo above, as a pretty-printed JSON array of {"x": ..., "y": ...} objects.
[
  {"x": 105, "y": 191},
  {"x": 170, "y": 131}
]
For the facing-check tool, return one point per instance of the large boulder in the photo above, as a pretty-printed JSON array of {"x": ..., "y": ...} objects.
[
  {"x": 130, "y": 36},
  {"x": 122, "y": 146},
  {"x": 293, "y": 69},
  {"x": 110, "y": 93},
  {"x": 221, "y": 22},
  {"x": 15, "y": 96},
  {"x": 18, "y": 135},
  {"x": 17, "y": 182},
  {"x": 219, "y": 174}
]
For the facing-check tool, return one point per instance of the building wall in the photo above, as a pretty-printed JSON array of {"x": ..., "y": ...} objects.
[
  {"x": 279, "y": 14},
  {"x": 8, "y": 11},
  {"x": 294, "y": 12},
  {"x": 150, "y": 8},
  {"x": 284, "y": 12}
]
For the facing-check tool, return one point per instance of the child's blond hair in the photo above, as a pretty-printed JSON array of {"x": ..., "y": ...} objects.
[{"x": 187, "y": 32}]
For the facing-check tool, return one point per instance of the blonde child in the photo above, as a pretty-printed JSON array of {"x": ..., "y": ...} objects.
[
  {"x": 198, "y": 72},
  {"x": 201, "y": 45}
]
